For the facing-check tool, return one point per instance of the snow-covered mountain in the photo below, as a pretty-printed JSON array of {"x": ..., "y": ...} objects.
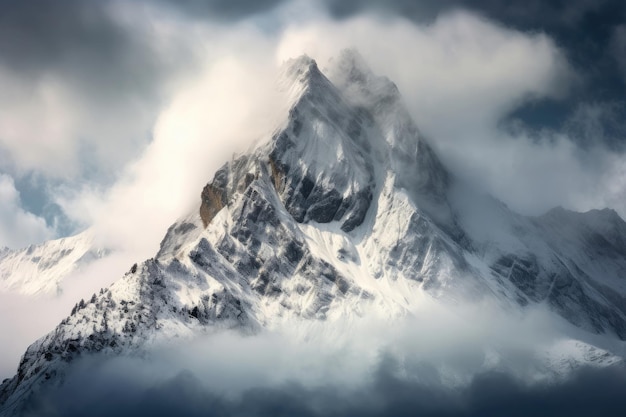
[
  {"x": 343, "y": 211},
  {"x": 40, "y": 269}
]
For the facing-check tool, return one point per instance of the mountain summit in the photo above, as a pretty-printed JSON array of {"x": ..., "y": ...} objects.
[{"x": 346, "y": 211}]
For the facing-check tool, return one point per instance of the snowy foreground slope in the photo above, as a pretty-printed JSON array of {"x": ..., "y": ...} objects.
[
  {"x": 40, "y": 269},
  {"x": 345, "y": 211}
]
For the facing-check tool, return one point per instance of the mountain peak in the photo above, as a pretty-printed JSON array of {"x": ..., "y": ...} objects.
[
  {"x": 300, "y": 68},
  {"x": 300, "y": 76},
  {"x": 345, "y": 212}
]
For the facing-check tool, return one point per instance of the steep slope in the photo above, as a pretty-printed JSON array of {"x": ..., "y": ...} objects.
[
  {"x": 550, "y": 260},
  {"x": 40, "y": 269},
  {"x": 344, "y": 210}
]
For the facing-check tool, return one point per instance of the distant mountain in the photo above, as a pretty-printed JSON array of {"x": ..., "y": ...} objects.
[
  {"x": 41, "y": 269},
  {"x": 345, "y": 210}
]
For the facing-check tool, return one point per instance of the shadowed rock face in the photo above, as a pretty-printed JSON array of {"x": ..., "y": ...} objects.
[
  {"x": 568, "y": 289},
  {"x": 321, "y": 163},
  {"x": 308, "y": 198}
]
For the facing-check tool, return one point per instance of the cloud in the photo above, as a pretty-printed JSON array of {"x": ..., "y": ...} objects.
[
  {"x": 431, "y": 364},
  {"x": 618, "y": 47},
  {"x": 489, "y": 394},
  {"x": 97, "y": 82},
  {"x": 222, "y": 109},
  {"x": 81, "y": 85},
  {"x": 222, "y": 9},
  {"x": 18, "y": 227},
  {"x": 594, "y": 124},
  {"x": 386, "y": 394},
  {"x": 461, "y": 76},
  {"x": 462, "y": 67},
  {"x": 535, "y": 12}
]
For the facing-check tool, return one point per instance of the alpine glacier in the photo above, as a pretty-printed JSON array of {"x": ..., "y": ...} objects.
[{"x": 343, "y": 211}]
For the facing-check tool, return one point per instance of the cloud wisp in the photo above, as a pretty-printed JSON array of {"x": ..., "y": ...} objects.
[{"x": 17, "y": 226}]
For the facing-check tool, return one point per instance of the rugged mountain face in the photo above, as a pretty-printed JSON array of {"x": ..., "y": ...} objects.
[
  {"x": 40, "y": 269},
  {"x": 344, "y": 210}
]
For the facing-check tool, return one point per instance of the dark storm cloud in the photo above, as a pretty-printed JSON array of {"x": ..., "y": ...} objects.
[
  {"x": 618, "y": 47},
  {"x": 222, "y": 9},
  {"x": 527, "y": 13},
  {"x": 79, "y": 41},
  {"x": 98, "y": 393}
]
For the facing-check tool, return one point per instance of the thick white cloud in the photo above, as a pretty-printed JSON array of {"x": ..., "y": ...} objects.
[
  {"x": 460, "y": 72},
  {"x": 18, "y": 227},
  {"x": 221, "y": 110},
  {"x": 90, "y": 108}
]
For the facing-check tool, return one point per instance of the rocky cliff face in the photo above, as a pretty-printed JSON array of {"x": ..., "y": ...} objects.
[{"x": 345, "y": 210}]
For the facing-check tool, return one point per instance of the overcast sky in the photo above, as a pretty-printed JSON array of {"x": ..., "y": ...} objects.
[{"x": 113, "y": 114}]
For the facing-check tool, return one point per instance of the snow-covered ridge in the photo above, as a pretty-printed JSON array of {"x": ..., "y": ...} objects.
[
  {"x": 347, "y": 211},
  {"x": 40, "y": 269}
]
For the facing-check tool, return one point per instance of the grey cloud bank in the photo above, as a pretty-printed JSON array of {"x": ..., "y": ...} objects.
[{"x": 490, "y": 394}]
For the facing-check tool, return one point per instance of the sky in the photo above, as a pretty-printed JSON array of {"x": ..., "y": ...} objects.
[{"x": 114, "y": 114}]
